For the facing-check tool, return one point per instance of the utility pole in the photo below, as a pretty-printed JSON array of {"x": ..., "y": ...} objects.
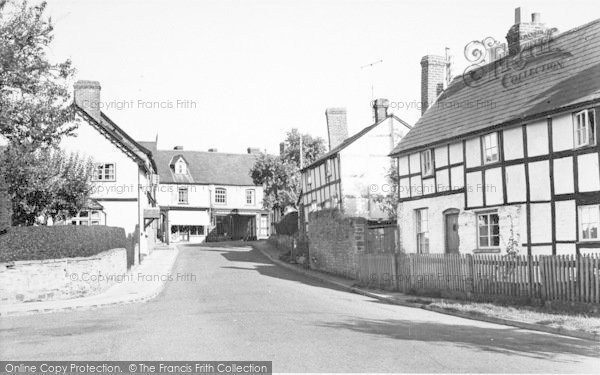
[{"x": 301, "y": 152}]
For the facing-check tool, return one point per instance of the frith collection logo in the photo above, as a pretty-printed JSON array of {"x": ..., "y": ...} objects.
[{"x": 490, "y": 59}]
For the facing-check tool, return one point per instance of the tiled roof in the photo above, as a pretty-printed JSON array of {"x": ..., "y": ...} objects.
[
  {"x": 348, "y": 141},
  {"x": 207, "y": 167},
  {"x": 567, "y": 75}
]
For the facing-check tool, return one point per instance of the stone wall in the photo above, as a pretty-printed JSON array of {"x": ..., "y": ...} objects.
[
  {"x": 56, "y": 279},
  {"x": 335, "y": 241}
]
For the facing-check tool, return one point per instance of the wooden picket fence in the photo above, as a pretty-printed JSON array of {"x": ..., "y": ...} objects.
[{"x": 560, "y": 278}]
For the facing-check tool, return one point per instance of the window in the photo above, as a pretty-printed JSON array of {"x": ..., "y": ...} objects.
[
  {"x": 589, "y": 222},
  {"x": 426, "y": 163},
  {"x": 87, "y": 218},
  {"x": 584, "y": 127},
  {"x": 250, "y": 196},
  {"x": 180, "y": 167},
  {"x": 182, "y": 195},
  {"x": 313, "y": 206},
  {"x": 309, "y": 181},
  {"x": 105, "y": 172},
  {"x": 490, "y": 148},
  {"x": 220, "y": 195},
  {"x": 488, "y": 230},
  {"x": 422, "y": 220}
]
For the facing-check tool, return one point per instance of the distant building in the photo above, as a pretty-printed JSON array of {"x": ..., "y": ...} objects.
[
  {"x": 208, "y": 196},
  {"x": 355, "y": 169},
  {"x": 509, "y": 161}
]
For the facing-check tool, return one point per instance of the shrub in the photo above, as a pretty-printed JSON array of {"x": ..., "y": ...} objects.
[
  {"x": 288, "y": 224},
  {"x": 61, "y": 241}
]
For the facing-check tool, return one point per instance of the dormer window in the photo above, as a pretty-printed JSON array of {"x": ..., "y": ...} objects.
[{"x": 180, "y": 167}]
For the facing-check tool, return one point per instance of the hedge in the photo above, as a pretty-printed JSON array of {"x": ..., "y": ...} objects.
[
  {"x": 60, "y": 241},
  {"x": 288, "y": 224}
]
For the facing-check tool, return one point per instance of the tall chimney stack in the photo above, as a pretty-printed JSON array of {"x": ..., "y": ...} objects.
[
  {"x": 87, "y": 97},
  {"x": 522, "y": 33},
  {"x": 337, "y": 127},
  {"x": 433, "y": 69},
  {"x": 380, "y": 108}
]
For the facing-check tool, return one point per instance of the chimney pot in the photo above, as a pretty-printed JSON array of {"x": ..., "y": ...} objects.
[
  {"x": 87, "y": 97},
  {"x": 178, "y": 148},
  {"x": 380, "y": 107},
  {"x": 253, "y": 150},
  {"x": 337, "y": 127},
  {"x": 213, "y": 150},
  {"x": 536, "y": 18}
]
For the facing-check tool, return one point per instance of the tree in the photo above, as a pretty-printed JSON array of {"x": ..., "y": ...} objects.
[
  {"x": 390, "y": 199},
  {"x": 35, "y": 106},
  {"x": 46, "y": 182},
  {"x": 280, "y": 175}
]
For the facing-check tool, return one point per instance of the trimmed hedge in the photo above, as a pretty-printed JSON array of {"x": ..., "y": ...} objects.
[
  {"x": 288, "y": 225},
  {"x": 60, "y": 241}
]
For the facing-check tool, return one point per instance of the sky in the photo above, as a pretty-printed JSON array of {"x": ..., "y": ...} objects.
[{"x": 233, "y": 74}]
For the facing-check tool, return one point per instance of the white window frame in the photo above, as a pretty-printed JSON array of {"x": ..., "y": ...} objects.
[
  {"x": 308, "y": 181},
  {"x": 427, "y": 163},
  {"x": 100, "y": 172},
  {"x": 489, "y": 147},
  {"x": 181, "y": 189},
  {"x": 489, "y": 236},
  {"x": 180, "y": 167},
  {"x": 584, "y": 123},
  {"x": 585, "y": 220},
  {"x": 422, "y": 229},
  {"x": 220, "y": 195},
  {"x": 250, "y": 193}
]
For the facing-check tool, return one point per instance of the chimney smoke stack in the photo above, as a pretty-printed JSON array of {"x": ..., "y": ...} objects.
[
  {"x": 433, "y": 69},
  {"x": 337, "y": 127},
  {"x": 87, "y": 97},
  {"x": 380, "y": 108}
]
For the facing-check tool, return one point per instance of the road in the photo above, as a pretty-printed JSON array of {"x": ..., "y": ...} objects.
[{"x": 232, "y": 303}]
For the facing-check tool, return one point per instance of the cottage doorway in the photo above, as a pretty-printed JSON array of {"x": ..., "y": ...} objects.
[{"x": 451, "y": 229}]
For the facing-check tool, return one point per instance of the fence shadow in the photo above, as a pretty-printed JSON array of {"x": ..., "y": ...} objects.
[{"x": 511, "y": 341}]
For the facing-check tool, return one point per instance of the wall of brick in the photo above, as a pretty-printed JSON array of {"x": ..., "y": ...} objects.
[
  {"x": 57, "y": 279},
  {"x": 335, "y": 241}
]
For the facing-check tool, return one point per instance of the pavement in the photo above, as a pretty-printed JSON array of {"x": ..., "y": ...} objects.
[
  {"x": 231, "y": 302},
  {"x": 141, "y": 283},
  {"x": 403, "y": 299}
]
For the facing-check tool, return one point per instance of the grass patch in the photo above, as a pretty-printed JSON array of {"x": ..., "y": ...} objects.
[{"x": 572, "y": 322}]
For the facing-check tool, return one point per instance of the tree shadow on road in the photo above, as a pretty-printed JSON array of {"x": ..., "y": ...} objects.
[{"x": 511, "y": 341}]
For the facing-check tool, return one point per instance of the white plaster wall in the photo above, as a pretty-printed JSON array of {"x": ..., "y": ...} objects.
[
  {"x": 473, "y": 152},
  {"x": 441, "y": 156},
  {"x": 456, "y": 153},
  {"x": 474, "y": 189},
  {"x": 403, "y": 165},
  {"x": 566, "y": 219},
  {"x": 588, "y": 172},
  {"x": 537, "y": 138},
  {"x": 493, "y": 187},
  {"x": 513, "y": 143},
  {"x": 562, "y": 132},
  {"x": 457, "y": 175},
  {"x": 563, "y": 175},
  {"x": 515, "y": 183},
  {"x": 541, "y": 223},
  {"x": 436, "y": 206},
  {"x": 442, "y": 179},
  {"x": 539, "y": 178}
]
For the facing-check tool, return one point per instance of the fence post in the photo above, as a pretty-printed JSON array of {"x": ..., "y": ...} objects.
[
  {"x": 471, "y": 274},
  {"x": 530, "y": 279}
]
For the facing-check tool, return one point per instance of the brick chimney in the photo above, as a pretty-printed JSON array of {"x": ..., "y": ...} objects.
[
  {"x": 87, "y": 96},
  {"x": 253, "y": 150},
  {"x": 522, "y": 33},
  {"x": 380, "y": 108},
  {"x": 337, "y": 128},
  {"x": 433, "y": 69}
]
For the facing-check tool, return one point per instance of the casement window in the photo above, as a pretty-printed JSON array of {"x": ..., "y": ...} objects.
[
  {"x": 589, "y": 222},
  {"x": 87, "y": 218},
  {"x": 250, "y": 193},
  {"x": 488, "y": 230},
  {"x": 180, "y": 167},
  {"x": 584, "y": 128},
  {"x": 182, "y": 195},
  {"x": 426, "y": 163},
  {"x": 490, "y": 148},
  {"x": 220, "y": 195},
  {"x": 422, "y": 220},
  {"x": 105, "y": 172},
  {"x": 308, "y": 181}
]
